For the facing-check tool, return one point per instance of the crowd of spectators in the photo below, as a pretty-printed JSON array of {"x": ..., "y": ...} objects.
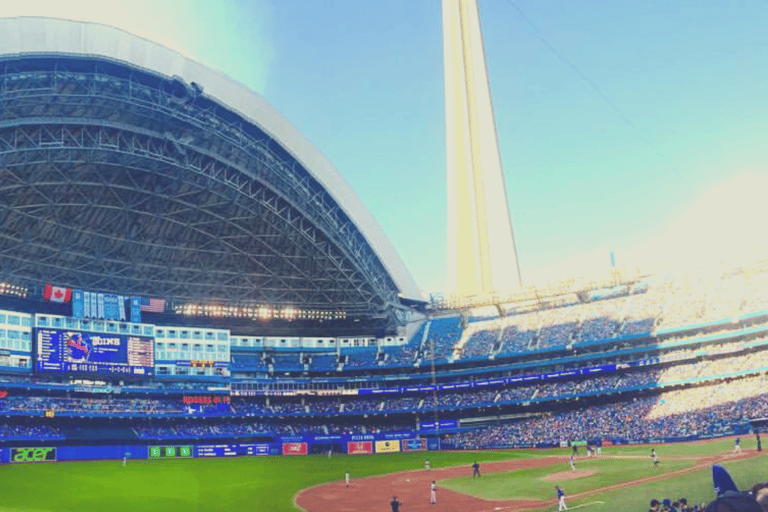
[
  {"x": 663, "y": 302},
  {"x": 717, "y": 360},
  {"x": 444, "y": 334},
  {"x": 641, "y": 310},
  {"x": 200, "y": 430},
  {"x": 18, "y": 431},
  {"x": 459, "y": 399},
  {"x": 400, "y": 356},
  {"x": 481, "y": 342},
  {"x": 574, "y": 387},
  {"x": 401, "y": 403},
  {"x": 557, "y": 326},
  {"x": 600, "y": 320},
  {"x": 106, "y": 405},
  {"x": 359, "y": 404},
  {"x": 154, "y": 431},
  {"x": 287, "y": 406},
  {"x": 713, "y": 409},
  {"x": 722, "y": 293},
  {"x": 660, "y": 302},
  {"x": 518, "y": 332}
]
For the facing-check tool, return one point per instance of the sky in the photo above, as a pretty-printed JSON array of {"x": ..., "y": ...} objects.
[{"x": 637, "y": 128}]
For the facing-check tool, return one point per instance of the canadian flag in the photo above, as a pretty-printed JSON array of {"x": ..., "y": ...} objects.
[{"x": 57, "y": 293}]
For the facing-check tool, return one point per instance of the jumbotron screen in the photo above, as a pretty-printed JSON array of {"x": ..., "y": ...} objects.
[{"x": 86, "y": 352}]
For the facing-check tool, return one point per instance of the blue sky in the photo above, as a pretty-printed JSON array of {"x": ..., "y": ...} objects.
[{"x": 637, "y": 127}]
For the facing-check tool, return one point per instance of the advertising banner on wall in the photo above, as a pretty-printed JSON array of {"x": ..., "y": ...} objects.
[
  {"x": 169, "y": 452},
  {"x": 414, "y": 445},
  {"x": 387, "y": 446},
  {"x": 294, "y": 448},
  {"x": 33, "y": 454},
  {"x": 442, "y": 424},
  {"x": 360, "y": 447}
]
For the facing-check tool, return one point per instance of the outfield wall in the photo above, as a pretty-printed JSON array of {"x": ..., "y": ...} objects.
[
  {"x": 355, "y": 444},
  {"x": 289, "y": 446}
]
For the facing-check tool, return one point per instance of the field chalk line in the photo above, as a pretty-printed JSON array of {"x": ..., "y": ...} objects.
[
  {"x": 587, "y": 504},
  {"x": 497, "y": 509}
]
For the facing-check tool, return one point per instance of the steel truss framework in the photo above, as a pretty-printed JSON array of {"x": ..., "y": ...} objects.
[{"x": 115, "y": 180}]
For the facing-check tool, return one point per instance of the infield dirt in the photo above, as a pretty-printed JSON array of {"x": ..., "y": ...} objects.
[{"x": 569, "y": 475}]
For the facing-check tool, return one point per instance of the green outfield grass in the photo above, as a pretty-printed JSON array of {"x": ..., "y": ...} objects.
[
  {"x": 269, "y": 483},
  {"x": 696, "y": 487},
  {"x": 246, "y": 483},
  {"x": 529, "y": 484}
]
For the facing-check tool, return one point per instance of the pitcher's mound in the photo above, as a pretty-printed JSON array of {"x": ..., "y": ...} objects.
[{"x": 569, "y": 475}]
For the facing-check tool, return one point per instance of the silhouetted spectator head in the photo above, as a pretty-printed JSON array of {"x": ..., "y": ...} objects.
[{"x": 734, "y": 502}]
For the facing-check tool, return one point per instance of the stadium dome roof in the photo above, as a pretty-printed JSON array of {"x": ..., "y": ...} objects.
[{"x": 128, "y": 168}]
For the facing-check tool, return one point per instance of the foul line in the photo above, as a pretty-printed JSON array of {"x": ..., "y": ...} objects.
[{"x": 497, "y": 509}]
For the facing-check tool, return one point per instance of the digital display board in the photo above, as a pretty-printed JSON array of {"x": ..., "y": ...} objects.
[
  {"x": 412, "y": 445},
  {"x": 170, "y": 452},
  {"x": 77, "y": 351},
  {"x": 231, "y": 450},
  {"x": 205, "y": 400},
  {"x": 33, "y": 454}
]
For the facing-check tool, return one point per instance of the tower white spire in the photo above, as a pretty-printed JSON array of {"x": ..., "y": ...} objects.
[{"x": 481, "y": 248}]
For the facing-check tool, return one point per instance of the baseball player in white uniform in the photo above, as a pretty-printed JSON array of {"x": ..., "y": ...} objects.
[
  {"x": 432, "y": 493},
  {"x": 560, "y": 499},
  {"x": 346, "y": 478},
  {"x": 572, "y": 462}
]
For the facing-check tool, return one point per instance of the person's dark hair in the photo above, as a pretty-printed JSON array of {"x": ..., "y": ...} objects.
[
  {"x": 734, "y": 502},
  {"x": 655, "y": 503}
]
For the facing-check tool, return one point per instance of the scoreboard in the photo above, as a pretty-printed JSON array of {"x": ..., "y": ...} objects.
[
  {"x": 78, "y": 351},
  {"x": 231, "y": 450},
  {"x": 170, "y": 452}
]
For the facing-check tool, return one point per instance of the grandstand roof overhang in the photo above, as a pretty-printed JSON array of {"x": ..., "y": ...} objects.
[{"x": 128, "y": 168}]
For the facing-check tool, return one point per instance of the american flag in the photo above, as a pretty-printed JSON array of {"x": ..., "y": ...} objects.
[{"x": 152, "y": 305}]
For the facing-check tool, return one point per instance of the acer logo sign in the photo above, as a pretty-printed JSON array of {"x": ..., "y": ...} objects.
[{"x": 33, "y": 454}]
